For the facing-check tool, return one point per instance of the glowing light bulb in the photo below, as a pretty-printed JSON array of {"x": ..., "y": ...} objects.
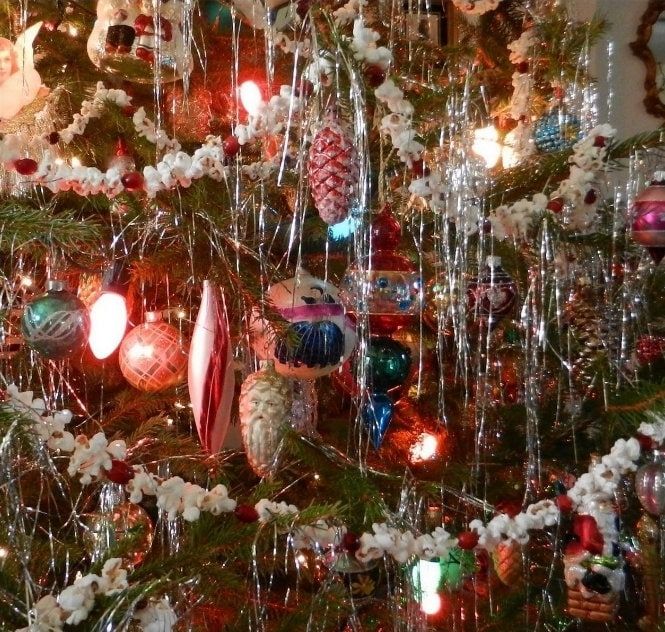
[
  {"x": 26, "y": 281},
  {"x": 108, "y": 322},
  {"x": 250, "y": 97},
  {"x": 430, "y": 603},
  {"x": 486, "y": 145},
  {"x": 425, "y": 448}
]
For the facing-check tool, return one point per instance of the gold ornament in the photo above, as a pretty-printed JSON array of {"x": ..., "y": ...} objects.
[
  {"x": 648, "y": 535},
  {"x": 508, "y": 562},
  {"x": 265, "y": 405}
]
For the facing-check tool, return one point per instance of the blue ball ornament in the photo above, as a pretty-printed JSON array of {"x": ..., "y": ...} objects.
[{"x": 556, "y": 130}]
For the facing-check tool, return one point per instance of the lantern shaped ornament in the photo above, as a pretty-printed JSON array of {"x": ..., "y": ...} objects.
[
  {"x": 320, "y": 337},
  {"x": 385, "y": 284},
  {"x": 648, "y": 228},
  {"x": 493, "y": 294},
  {"x": 130, "y": 36},
  {"x": 55, "y": 324},
  {"x": 650, "y": 484},
  {"x": 152, "y": 356}
]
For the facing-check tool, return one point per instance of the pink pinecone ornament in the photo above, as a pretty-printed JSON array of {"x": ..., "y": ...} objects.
[{"x": 333, "y": 171}]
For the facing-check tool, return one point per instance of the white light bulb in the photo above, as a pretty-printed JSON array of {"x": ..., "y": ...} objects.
[
  {"x": 250, "y": 97},
  {"x": 108, "y": 323},
  {"x": 424, "y": 448},
  {"x": 486, "y": 145},
  {"x": 430, "y": 603}
]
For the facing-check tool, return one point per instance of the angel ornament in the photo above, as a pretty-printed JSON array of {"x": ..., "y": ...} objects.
[{"x": 20, "y": 83}]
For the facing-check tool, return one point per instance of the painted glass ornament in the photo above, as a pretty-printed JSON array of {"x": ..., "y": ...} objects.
[
  {"x": 152, "y": 355},
  {"x": 11, "y": 342},
  {"x": 320, "y": 338},
  {"x": 265, "y": 405},
  {"x": 648, "y": 228},
  {"x": 333, "y": 170},
  {"x": 448, "y": 572},
  {"x": 650, "y": 484},
  {"x": 211, "y": 379},
  {"x": 385, "y": 284},
  {"x": 361, "y": 580},
  {"x": 130, "y": 36},
  {"x": 493, "y": 294},
  {"x": 508, "y": 562},
  {"x": 556, "y": 130},
  {"x": 55, "y": 324}
]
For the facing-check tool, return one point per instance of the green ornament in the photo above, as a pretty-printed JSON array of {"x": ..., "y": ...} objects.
[
  {"x": 388, "y": 363},
  {"x": 55, "y": 324},
  {"x": 218, "y": 14}
]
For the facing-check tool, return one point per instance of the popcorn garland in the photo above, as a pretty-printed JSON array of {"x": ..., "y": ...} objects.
[
  {"x": 577, "y": 192},
  {"x": 93, "y": 458}
]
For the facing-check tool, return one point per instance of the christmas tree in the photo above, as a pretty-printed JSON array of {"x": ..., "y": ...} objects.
[{"x": 325, "y": 316}]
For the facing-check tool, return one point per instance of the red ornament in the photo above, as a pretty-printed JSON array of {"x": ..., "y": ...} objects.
[
  {"x": 385, "y": 231},
  {"x": 132, "y": 181},
  {"x": 246, "y": 513},
  {"x": 555, "y": 205},
  {"x": 350, "y": 542},
  {"x": 649, "y": 222},
  {"x": 564, "y": 503},
  {"x": 333, "y": 170},
  {"x": 121, "y": 472},
  {"x": 231, "y": 146},
  {"x": 649, "y": 348},
  {"x": 25, "y": 166},
  {"x": 375, "y": 75},
  {"x": 467, "y": 540}
]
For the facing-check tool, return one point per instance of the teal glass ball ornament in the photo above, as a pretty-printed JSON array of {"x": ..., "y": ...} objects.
[
  {"x": 55, "y": 324},
  {"x": 556, "y": 130},
  {"x": 388, "y": 363}
]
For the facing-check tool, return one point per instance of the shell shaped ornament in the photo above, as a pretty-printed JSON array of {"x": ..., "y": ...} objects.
[
  {"x": 320, "y": 338},
  {"x": 265, "y": 406}
]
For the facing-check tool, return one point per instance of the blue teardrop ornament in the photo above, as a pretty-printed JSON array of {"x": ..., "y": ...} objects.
[{"x": 377, "y": 412}]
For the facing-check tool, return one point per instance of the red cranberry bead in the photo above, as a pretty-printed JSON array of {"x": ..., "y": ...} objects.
[
  {"x": 25, "y": 166},
  {"x": 350, "y": 542},
  {"x": 246, "y": 513},
  {"x": 129, "y": 110},
  {"x": 54, "y": 138},
  {"x": 121, "y": 472},
  {"x": 555, "y": 205},
  {"x": 467, "y": 540},
  {"x": 599, "y": 141},
  {"x": 375, "y": 75},
  {"x": 132, "y": 181},
  {"x": 523, "y": 67},
  {"x": 306, "y": 89},
  {"x": 564, "y": 503},
  {"x": 231, "y": 146}
]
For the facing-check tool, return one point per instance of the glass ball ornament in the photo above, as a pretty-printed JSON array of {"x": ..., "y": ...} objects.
[
  {"x": 384, "y": 284},
  {"x": 388, "y": 363},
  {"x": 362, "y": 581},
  {"x": 55, "y": 324},
  {"x": 152, "y": 356},
  {"x": 650, "y": 484},
  {"x": 556, "y": 130},
  {"x": 320, "y": 336},
  {"x": 493, "y": 294},
  {"x": 130, "y": 36},
  {"x": 107, "y": 529},
  {"x": 648, "y": 227}
]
